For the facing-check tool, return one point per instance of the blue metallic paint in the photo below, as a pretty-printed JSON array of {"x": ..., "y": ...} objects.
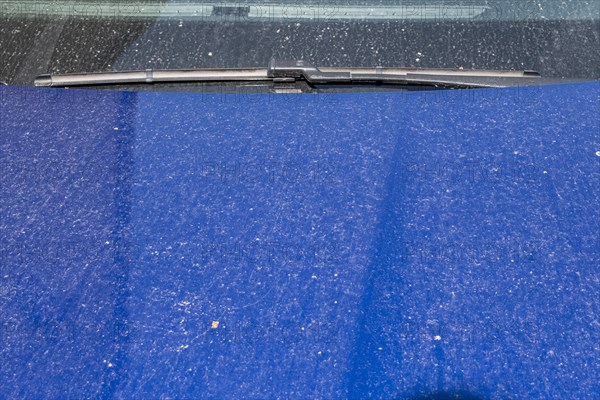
[{"x": 383, "y": 245}]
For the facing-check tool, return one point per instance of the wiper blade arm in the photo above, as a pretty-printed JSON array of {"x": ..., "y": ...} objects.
[{"x": 293, "y": 71}]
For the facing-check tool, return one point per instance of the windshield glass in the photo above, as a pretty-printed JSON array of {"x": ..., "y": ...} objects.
[{"x": 558, "y": 38}]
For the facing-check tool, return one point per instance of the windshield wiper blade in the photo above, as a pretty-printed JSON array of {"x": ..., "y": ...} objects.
[{"x": 286, "y": 72}]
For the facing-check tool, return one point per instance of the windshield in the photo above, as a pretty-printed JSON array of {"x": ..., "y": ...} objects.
[{"x": 558, "y": 38}]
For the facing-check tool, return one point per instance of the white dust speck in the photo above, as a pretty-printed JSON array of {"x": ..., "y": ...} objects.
[{"x": 182, "y": 347}]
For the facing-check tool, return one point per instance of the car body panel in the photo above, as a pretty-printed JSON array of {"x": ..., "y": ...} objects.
[{"x": 384, "y": 245}]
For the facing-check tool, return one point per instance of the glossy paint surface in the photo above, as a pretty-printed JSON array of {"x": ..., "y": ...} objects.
[{"x": 384, "y": 245}]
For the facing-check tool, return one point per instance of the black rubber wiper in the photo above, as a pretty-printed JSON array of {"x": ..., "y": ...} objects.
[{"x": 289, "y": 72}]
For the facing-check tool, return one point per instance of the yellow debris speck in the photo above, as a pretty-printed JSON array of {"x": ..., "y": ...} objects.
[
  {"x": 215, "y": 324},
  {"x": 598, "y": 153},
  {"x": 437, "y": 337}
]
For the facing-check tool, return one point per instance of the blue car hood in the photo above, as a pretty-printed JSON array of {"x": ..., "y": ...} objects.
[{"x": 369, "y": 245}]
